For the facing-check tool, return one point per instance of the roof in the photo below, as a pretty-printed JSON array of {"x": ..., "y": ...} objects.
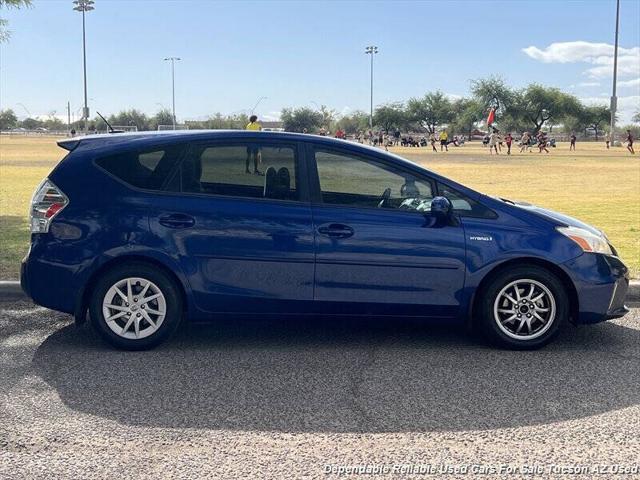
[{"x": 99, "y": 140}]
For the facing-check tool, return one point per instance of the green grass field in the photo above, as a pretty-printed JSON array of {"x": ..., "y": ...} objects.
[{"x": 599, "y": 186}]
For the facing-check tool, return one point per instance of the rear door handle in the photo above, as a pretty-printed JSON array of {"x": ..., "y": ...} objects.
[
  {"x": 177, "y": 220},
  {"x": 336, "y": 230}
]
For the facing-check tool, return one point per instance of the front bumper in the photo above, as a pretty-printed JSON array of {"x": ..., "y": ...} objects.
[
  {"x": 601, "y": 283},
  {"x": 617, "y": 308}
]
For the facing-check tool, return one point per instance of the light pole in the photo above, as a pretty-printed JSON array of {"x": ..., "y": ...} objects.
[
  {"x": 84, "y": 6},
  {"x": 24, "y": 108},
  {"x": 614, "y": 99},
  {"x": 371, "y": 50},
  {"x": 173, "y": 61},
  {"x": 257, "y": 103}
]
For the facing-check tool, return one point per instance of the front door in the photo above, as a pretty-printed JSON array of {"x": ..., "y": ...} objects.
[
  {"x": 240, "y": 225},
  {"x": 377, "y": 247}
]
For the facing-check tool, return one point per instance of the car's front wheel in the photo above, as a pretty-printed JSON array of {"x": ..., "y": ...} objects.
[
  {"x": 523, "y": 308},
  {"x": 135, "y": 306}
]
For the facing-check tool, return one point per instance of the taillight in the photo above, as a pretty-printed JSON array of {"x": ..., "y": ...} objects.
[{"x": 47, "y": 201}]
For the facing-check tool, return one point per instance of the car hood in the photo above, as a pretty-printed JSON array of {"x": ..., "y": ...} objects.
[{"x": 557, "y": 217}]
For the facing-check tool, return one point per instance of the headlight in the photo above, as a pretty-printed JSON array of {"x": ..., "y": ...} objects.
[{"x": 588, "y": 241}]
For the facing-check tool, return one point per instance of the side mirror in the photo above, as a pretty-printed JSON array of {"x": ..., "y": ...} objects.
[{"x": 441, "y": 209}]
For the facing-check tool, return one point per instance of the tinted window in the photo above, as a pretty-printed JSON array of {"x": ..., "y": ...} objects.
[
  {"x": 143, "y": 169},
  {"x": 361, "y": 182},
  {"x": 241, "y": 170},
  {"x": 464, "y": 205}
]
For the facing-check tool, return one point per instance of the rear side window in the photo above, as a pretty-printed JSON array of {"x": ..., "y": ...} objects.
[
  {"x": 143, "y": 169},
  {"x": 248, "y": 170}
]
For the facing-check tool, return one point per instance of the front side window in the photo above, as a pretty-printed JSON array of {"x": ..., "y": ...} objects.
[
  {"x": 361, "y": 182},
  {"x": 143, "y": 169},
  {"x": 241, "y": 170}
]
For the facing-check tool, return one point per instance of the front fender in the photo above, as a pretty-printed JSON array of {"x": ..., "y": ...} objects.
[{"x": 491, "y": 245}]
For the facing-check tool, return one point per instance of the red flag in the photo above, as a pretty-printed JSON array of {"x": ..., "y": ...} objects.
[{"x": 492, "y": 116}]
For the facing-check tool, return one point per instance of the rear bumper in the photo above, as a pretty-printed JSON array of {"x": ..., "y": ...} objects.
[
  {"x": 49, "y": 284},
  {"x": 601, "y": 283}
]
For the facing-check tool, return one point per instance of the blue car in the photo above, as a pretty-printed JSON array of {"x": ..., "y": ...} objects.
[{"x": 140, "y": 231}]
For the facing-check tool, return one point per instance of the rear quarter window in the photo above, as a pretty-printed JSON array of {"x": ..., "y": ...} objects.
[{"x": 147, "y": 169}]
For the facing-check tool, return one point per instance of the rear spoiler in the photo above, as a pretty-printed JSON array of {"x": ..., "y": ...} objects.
[
  {"x": 93, "y": 141},
  {"x": 69, "y": 144}
]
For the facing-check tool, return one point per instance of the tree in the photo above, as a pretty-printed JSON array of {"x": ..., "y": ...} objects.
[
  {"x": 4, "y": 33},
  {"x": 328, "y": 116},
  {"x": 8, "y": 119},
  {"x": 97, "y": 123},
  {"x": 595, "y": 117},
  {"x": 355, "y": 122},
  {"x": 54, "y": 123},
  {"x": 635, "y": 130},
  {"x": 31, "y": 123},
  {"x": 130, "y": 118},
  {"x": 300, "y": 119},
  {"x": 390, "y": 116},
  {"x": 573, "y": 123},
  {"x": 636, "y": 117},
  {"x": 538, "y": 105},
  {"x": 493, "y": 92},
  {"x": 467, "y": 113},
  {"x": 226, "y": 122},
  {"x": 430, "y": 111},
  {"x": 163, "y": 117},
  {"x": 218, "y": 121}
]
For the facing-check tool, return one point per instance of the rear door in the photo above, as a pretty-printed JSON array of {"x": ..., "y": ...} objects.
[
  {"x": 245, "y": 239},
  {"x": 378, "y": 249}
]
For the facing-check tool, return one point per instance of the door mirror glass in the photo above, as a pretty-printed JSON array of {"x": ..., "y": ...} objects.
[{"x": 441, "y": 208}]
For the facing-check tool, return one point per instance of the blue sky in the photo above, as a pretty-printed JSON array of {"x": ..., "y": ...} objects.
[{"x": 308, "y": 53}]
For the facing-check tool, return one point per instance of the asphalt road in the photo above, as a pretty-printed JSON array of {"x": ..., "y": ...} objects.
[{"x": 286, "y": 398}]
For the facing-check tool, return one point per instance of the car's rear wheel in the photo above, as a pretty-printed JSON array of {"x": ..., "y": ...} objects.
[
  {"x": 523, "y": 308},
  {"x": 135, "y": 306}
]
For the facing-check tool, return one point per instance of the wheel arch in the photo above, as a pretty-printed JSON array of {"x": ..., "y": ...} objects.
[
  {"x": 82, "y": 302},
  {"x": 523, "y": 262}
]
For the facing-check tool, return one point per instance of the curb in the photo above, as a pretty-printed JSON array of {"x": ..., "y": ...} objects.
[
  {"x": 633, "y": 294},
  {"x": 11, "y": 290}
]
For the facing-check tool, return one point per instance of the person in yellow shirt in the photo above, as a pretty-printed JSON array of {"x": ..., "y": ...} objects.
[
  {"x": 444, "y": 140},
  {"x": 253, "y": 151},
  {"x": 253, "y": 124}
]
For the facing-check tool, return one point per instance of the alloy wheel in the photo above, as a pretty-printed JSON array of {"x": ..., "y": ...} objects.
[
  {"x": 134, "y": 308},
  {"x": 524, "y": 309}
]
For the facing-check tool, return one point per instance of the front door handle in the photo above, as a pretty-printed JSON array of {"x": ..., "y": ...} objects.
[
  {"x": 336, "y": 230},
  {"x": 177, "y": 220}
]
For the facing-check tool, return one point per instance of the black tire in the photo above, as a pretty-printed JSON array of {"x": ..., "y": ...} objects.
[
  {"x": 173, "y": 304},
  {"x": 490, "y": 326}
]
